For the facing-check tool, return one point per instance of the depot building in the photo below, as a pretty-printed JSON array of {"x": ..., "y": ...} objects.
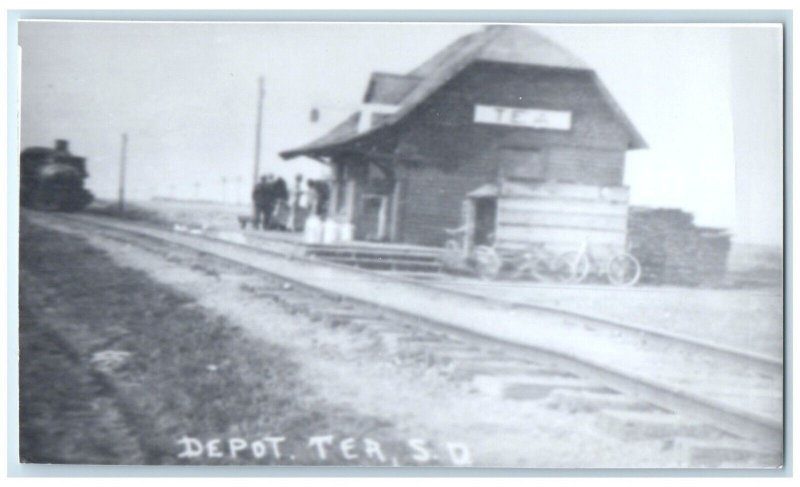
[{"x": 503, "y": 133}]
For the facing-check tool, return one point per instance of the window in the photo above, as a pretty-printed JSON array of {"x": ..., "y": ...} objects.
[{"x": 522, "y": 163}]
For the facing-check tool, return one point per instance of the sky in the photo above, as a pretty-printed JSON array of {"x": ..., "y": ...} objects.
[{"x": 707, "y": 99}]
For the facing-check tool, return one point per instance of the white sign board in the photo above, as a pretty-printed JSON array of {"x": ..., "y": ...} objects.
[{"x": 524, "y": 117}]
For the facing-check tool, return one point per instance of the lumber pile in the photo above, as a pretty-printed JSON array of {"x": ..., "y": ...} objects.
[{"x": 673, "y": 250}]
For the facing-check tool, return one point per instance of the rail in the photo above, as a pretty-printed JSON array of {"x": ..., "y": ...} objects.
[{"x": 562, "y": 335}]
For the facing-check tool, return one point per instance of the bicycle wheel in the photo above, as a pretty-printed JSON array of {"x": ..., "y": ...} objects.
[
  {"x": 543, "y": 269},
  {"x": 623, "y": 270},
  {"x": 572, "y": 267},
  {"x": 487, "y": 262},
  {"x": 521, "y": 266}
]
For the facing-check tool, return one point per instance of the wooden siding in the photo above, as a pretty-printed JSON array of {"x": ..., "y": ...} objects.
[
  {"x": 522, "y": 163},
  {"x": 432, "y": 200},
  {"x": 556, "y": 206},
  {"x": 562, "y": 216},
  {"x": 495, "y": 84},
  {"x": 443, "y": 154},
  {"x": 586, "y": 165},
  {"x": 567, "y": 192},
  {"x": 561, "y": 219},
  {"x": 558, "y": 235}
]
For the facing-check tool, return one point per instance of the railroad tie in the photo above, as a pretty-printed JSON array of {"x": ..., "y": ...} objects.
[
  {"x": 641, "y": 425},
  {"x": 468, "y": 370},
  {"x": 729, "y": 452},
  {"x": 528, "y": 387},
  {"x": 581, "y": 401}
]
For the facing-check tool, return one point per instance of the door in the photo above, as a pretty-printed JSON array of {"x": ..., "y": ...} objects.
[
  {"x": 373, "y": 217},
  {"x": 485, "y": 220}
]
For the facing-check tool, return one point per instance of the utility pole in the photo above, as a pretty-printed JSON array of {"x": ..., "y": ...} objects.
[
  {"x": 256, "y": 168},
  {"x": 122, "y": 157}
]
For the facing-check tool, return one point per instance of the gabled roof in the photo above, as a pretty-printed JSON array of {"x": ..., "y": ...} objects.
[{"x": 501, "y": 43}]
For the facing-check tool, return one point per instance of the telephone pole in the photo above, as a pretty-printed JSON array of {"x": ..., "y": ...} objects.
[
  {"x": 256, "y": 168},
  {"x": 122, "y": 160}
]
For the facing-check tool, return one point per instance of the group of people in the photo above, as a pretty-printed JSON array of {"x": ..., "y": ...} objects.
[
  {"x": 270, "y": 198},
  {"x": 275, "y": 211}
]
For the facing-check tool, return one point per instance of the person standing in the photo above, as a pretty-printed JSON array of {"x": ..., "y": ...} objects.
[
  {"x": 280, "y": 195},
  {"x": 296, "y": 217},
  {"x": 268, "y": 202},
  {"x": 261, "y": 203},
  {"x": 323, "y": 197},
  {"x": 312, "y": 197}
]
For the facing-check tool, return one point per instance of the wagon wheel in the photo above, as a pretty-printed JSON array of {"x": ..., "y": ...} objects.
[
  {"x": 487, "y": 262},
  {"x": 572, "y": 267},
  {"x": 623, "y": 270}
]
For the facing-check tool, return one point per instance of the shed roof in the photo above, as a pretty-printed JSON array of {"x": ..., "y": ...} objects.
[{"x": 499, "y": 43}]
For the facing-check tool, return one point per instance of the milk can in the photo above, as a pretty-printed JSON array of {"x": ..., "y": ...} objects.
[
  {"x": 313, "y": 230},
  {"x": 346, "y": 232},
  {"x": 330, "y": 231}
]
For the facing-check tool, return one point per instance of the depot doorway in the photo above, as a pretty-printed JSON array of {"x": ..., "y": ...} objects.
[{"x": 485, "y": 220}]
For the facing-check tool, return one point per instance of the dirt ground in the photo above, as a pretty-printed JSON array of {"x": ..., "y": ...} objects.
[
  {"x": 181, "y": 370},
  {"x": 202, "y": 359},
  {"x": 748, "y": 315},
  {"x": 748, "y": 319},
  {"x": 210, "y": 214}
]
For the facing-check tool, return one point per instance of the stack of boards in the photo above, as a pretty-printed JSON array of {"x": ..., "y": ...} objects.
[{"x": 673, "y": 250}]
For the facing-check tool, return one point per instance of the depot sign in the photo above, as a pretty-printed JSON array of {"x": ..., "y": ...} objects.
[{"x": 523, "y": 117}]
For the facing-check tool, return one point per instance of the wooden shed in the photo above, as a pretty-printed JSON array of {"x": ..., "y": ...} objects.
[{"x": 502, "y": 130}]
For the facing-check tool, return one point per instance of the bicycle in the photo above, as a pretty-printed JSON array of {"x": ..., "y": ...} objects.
[
  {"x": 483, "y": 260},
  {"x": 488, "y": 263},
  {"x": 541, "y": 264},
  {"x": 622, "y": 269}
]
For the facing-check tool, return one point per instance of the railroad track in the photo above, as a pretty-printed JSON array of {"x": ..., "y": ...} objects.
[{"x": 735, "y": 391}]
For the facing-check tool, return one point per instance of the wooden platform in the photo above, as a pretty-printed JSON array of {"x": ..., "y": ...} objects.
[{"x": 366, "y": 255}]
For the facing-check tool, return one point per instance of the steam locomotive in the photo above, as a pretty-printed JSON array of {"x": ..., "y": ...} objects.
[{"x": 52, "y": 179}]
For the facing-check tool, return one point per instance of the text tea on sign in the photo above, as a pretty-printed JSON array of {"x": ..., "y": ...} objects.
[{"x": 524, "y": 117}]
